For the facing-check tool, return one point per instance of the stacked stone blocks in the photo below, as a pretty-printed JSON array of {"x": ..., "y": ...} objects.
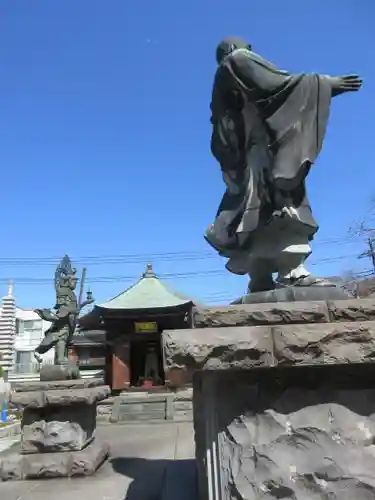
[{"x": 58, "y": 430}]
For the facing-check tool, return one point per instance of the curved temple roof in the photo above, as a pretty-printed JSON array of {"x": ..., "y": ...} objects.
[{"x": 148, "y": 293}]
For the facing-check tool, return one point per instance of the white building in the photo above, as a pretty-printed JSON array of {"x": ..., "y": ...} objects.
[
  {"x": 7, "y": 330},
  {"x": 30, "y": 330},
  {"x": 21, "y": 331}
]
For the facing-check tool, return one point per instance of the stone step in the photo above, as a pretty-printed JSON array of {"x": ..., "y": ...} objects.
[{"x": 153, "y": 406}]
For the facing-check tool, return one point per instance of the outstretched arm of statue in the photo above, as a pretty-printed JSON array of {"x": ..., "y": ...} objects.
[
  {"x": 46, "y": 314},
  {"x": 346, "y": 83},
  {"x": 86, "y": 303}
]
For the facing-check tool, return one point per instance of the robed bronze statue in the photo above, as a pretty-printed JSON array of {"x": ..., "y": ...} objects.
[
  {"x": 268, "y": 127},
  {"x": 64, "y": 319}
]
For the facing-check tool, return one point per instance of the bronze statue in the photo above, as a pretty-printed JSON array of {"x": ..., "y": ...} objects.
[
  {"x": 64, "y": 319},
  {"x": 268, "y": 129}
]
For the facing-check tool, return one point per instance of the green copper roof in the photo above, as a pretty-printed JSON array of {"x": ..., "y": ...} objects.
[{"x": 148, "y": 293}]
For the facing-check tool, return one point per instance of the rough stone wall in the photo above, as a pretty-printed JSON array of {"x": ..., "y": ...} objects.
[
  {"x": 284, "y": 405},
  {"x": 284, "y": 334},
  {"x": 285, "y": 313},
  {"x": 284, "y": 440}
]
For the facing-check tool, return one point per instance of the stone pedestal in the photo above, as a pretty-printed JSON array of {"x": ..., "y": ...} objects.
[
  {"x": 286, "y": 408},
  {"x": 295, "y": 294},
  {"x": 58, "y": 430}
]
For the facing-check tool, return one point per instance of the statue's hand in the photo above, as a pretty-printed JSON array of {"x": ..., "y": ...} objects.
[
  {"x": 39, "y": 312},
  {"x": 346, "y": 83},
  {"x": 86, "y": 302},
  {"x": 350, "y": 83}
]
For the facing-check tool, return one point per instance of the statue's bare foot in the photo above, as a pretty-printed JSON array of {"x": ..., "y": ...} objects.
[
  {"x": 313, "y": 281},
  {"x": 309, "y": 280}
]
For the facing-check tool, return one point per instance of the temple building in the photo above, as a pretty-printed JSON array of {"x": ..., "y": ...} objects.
[{"x": 123, "y": 336}]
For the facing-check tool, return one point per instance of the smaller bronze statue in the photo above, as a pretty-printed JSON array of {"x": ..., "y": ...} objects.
[{"x": 64, "y": 319}]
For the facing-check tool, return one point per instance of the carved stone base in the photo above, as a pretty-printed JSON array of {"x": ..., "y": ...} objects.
[
  {"x": 52, "y": 465},
  {"x": 58, "y": 430},
  {"x": 68, "y": 371}
]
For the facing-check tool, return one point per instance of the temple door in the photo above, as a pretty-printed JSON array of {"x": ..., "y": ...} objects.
[{"x": 121, "y": 366}]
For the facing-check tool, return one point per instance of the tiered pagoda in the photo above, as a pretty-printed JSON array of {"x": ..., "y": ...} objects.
[{"x": 123, "y": 336}]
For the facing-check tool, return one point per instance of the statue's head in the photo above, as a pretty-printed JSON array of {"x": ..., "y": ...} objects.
[
  {"x": 65, "y": 282},
  {"x": 69, "y": 280},
  {"x": 228, "y": 45}
]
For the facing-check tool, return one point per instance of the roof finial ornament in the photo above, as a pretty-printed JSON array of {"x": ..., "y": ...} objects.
[
  {"x": 149, "y": 272},
  {"x": 10, "y": 288}
]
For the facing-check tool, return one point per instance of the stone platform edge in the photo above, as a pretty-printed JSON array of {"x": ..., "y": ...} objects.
[
  {"x": 38, "y": 385},
  {"x": 85, "y": 462},
  {"x": 331, "y": 311},
  {"x": 249, "y": 347},
  {"x": 59, "y": 397}
]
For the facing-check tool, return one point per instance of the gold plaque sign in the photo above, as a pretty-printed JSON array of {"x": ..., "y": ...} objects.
[{"x": 150, "y": 327}]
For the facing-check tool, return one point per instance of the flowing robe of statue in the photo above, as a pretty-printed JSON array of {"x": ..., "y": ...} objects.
[
  {"x": 268, "y": 129},
  {"x": 63, "y": 325}
]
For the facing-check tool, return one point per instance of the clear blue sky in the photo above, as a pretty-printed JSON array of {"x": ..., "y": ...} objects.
[{"x": 104, "y": 133}]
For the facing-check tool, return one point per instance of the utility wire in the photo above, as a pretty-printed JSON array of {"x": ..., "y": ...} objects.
[
  {"x": 315, "y": 262},
  {"x": 136, "y": 258},
  {"x": 120, "y": 278}
]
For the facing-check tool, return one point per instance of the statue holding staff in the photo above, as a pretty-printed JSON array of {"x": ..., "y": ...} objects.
[{"x": 67, "y": 309}]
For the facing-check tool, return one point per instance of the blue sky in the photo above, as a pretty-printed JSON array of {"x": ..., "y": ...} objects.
[{"x": 104, "y": 135}]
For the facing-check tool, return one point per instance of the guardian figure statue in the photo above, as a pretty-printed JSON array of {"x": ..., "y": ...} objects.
[{"x": 64, "y": 318}]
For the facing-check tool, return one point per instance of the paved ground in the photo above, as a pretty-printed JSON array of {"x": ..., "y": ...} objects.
[
  {"x": 6, "y": 442},
  {"x": 141, "y": 456}
]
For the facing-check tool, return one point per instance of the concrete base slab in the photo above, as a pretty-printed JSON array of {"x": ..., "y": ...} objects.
[{"x": 53, "y": 465}]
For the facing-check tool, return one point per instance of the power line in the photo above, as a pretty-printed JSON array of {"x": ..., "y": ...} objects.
[
  {"x": 115, "y": 258},
  {"x": 165, "y": 276},
  {"x": 109, "y": 260},
  {"x": 135, "y": 258},
  {"x": 316, "y": 262}
]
